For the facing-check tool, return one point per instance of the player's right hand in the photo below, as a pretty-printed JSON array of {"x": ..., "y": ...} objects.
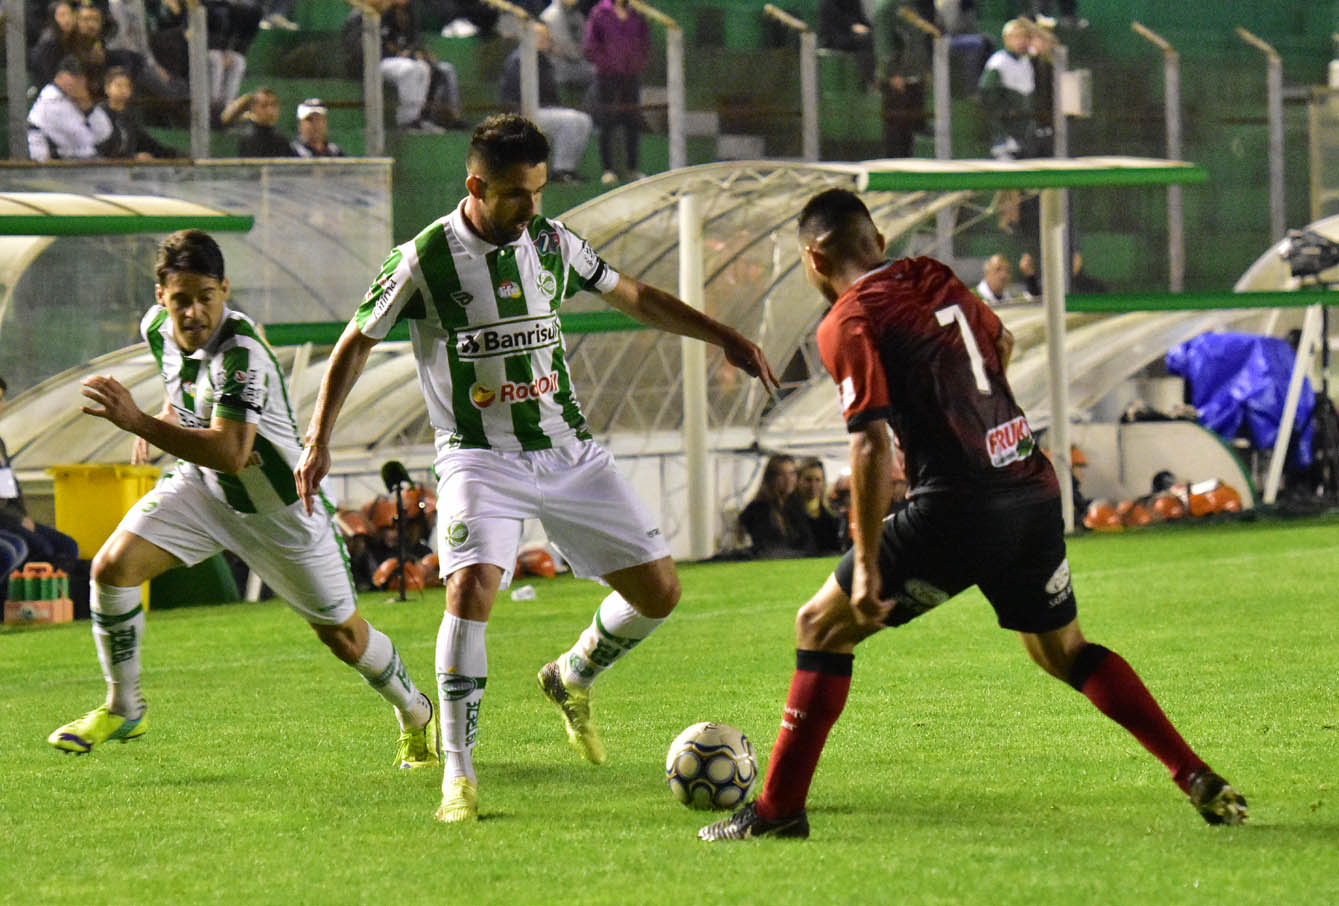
[
  {"x": 868, "y": 609},
  {"x": 312, "y": 469}
]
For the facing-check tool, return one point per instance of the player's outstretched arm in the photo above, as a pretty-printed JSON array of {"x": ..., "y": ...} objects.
[
  {"x": 346, "y": 364},
  {"x": 871, "y": 493},
  {"x": 656, "y": 308},
  {"x": 140, "y": 454},
  {"x": 224, "y": 446}
]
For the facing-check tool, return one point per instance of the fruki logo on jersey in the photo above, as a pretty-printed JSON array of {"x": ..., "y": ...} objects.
[
  {"x": 510, "y": 392},
  {"x": 508, "y": 290},
  {"x": 1009, "y": 442}
]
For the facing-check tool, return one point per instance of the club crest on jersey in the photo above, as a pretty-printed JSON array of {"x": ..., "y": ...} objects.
[
  {"x": 509, "y": 289},
  {"x": 1009, "y": 442},
  {"x": 547, "y": 284}
]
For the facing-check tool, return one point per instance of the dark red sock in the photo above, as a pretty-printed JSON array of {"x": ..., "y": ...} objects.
[
  {"x": 1112, "y": 685},
  {"x": 817, "y": 695}
]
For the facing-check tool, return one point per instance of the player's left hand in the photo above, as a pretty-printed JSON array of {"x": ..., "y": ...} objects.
[
  {"x": 745, "y": 354},
  {"x": 117, "y": 405}
]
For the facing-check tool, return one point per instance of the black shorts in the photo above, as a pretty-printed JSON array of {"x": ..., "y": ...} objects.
[{"x": 939, "y": 545}]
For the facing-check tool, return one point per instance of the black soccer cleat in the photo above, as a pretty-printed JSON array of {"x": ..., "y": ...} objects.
[
  {"x": 747, "y": 823},
  {"x": 1215, "y": 800}
]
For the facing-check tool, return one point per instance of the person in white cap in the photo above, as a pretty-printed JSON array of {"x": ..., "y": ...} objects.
[{"x": 313, "y": 127}]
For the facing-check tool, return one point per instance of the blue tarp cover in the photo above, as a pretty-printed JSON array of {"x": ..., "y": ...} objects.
[{"x": 1237, "y": 378}]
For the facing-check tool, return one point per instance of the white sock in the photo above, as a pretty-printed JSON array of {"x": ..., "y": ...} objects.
[
  {"x": 118, "y": 629},
  {"x": 462, "y": 673},
  {"x": 616, "y": 630},
  {"x": 381, "y": 666}
]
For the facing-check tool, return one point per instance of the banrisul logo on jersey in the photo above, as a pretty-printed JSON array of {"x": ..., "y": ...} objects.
[
  {"x": 514, "y": 392},
  {"x": 1009, "y": 442},
  {"x": 508, "y": 337}
]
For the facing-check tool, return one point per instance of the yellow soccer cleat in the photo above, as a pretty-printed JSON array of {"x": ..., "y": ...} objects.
[
  {"x": 460, "y": 802},
  {"x": 421, "y": 747},
  {"x": 574, "y": 704},
  {"x": 97, "y": 726}
]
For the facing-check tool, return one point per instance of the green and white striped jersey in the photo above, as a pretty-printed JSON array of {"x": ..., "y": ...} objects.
[
  {"x": 235, "y": 376},
  {"x": 485, "y": 331}
]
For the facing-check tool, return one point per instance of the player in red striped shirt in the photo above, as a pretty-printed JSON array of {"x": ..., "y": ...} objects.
[{"x": 913, "y": 349}]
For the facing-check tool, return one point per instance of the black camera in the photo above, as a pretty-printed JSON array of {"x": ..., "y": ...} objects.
[{"x": 1308, "y": 253}]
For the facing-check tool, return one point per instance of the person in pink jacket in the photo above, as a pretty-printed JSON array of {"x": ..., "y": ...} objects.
[{"x": 617, "y": 42}]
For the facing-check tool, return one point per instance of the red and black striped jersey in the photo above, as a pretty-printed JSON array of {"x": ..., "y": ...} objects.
[{"x": 909, "y": 343}]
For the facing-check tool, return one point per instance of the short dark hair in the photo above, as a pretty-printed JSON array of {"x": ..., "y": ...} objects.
[
  {"x": 71, "y": 64},
  {"x": 189, "y": 251},
  {"x": 117, "y": 72},
  {"x": 837, "y": 218},
  {"x": 4, "y": 388},
  {"x": 505, "y": 140}
]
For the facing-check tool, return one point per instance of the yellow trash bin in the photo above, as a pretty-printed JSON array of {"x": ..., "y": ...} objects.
[{"x": 91, "y": 499}]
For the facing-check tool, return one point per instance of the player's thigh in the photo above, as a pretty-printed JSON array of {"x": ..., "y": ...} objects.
[
  {"x": 593, "y": 516},
  {"x": 302, "y": 557},
  {"x": 483, "y": 500},
  {"x": 176, "y": 522},
  {"x": 923, "y": 558},
  {"x": 1030, "y": 586}
]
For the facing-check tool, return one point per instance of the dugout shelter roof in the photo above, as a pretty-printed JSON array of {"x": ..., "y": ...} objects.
[{"x": 629, "y": 379}]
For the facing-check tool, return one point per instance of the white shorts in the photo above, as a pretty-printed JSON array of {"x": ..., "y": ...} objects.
[
  {"x": 301, "y": 557},
  {"x": 588, "y": 511}
]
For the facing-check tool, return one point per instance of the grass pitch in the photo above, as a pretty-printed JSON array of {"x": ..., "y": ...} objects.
[{"x": 959, "y": 774}]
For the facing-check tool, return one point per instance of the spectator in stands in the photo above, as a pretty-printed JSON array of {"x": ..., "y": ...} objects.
[
  {"x": 64, "y": 123},
  {"x": 84, "y": 41},
  {"x": 54, "y": 43},
  {"x": 232, "y": 26},
  {"x": 825, "y": 526},
  {"x": 130, "y": 49},
  {"x": 129, "y": 140},
  {"x": 1007, "y": 88},
  {"x": 843, "y": 26},
  {"x": 839, "y": 501},
  {"x": 427, "y": 90},
  {"x": 44, "y": 544},
  {"x": 994, "y": 286},
  {"x": 902, "y": 52},
  {"x": 313, "y": 126},
  {"x": 774, "y": 524},
  {"x": 258, "y": 136},
  {"x": 618, "y": 43},
  {"x": 568, "y": 129},
  {"x": 1080, "y": 281},
  {"x": 567, "y": 30},
  {"x": 1041, "y": 47}
]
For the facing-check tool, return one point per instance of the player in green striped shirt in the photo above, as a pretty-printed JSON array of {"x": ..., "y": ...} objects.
[
  {"x": 481, "y": 288},
  {"x": 228, "y": 417}
]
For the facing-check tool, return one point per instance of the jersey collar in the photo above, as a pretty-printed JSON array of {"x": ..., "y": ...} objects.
[{"x": 474, "y": 244}]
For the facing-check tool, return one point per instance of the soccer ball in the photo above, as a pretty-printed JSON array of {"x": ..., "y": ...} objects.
[{"x": 710, "y": 766}]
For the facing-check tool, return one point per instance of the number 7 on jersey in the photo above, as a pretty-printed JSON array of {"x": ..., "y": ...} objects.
[{"x": 947, "y": 316}]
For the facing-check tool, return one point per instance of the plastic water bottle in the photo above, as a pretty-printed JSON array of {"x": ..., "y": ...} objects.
[{"x": 16, "y": 586}]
